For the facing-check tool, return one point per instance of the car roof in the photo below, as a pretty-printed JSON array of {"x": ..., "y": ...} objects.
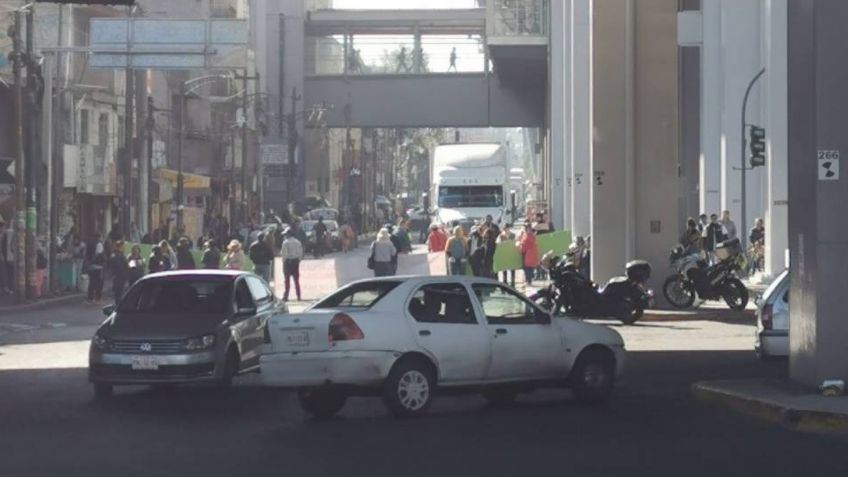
[
  {"x": 198, "y": 273},
  {"x": 416, "y": 279}
]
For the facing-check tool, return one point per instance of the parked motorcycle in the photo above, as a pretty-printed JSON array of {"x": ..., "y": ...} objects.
[
  {"x": 693, "y": 278},
  {"x": 624, "y": 298}
]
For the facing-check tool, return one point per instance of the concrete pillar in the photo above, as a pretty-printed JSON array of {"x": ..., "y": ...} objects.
[
  {"x": 581, "y": 117},
  {"x": 818, "y": 237},
  {"x": 712, "y": 67},
  {"x": 776, "y": 117},
  {"x": 293, "y": 52},
  {"x": 560, "y": 107},
  {"x": 612, "y": 158},
  {"x": 741, "y": 47}
]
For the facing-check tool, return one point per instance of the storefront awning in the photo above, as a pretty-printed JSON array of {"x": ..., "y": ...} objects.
[{"x": 190, "y": 181}]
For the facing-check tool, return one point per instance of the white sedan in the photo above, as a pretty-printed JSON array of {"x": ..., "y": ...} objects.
[{"x": 404, "y": 338}]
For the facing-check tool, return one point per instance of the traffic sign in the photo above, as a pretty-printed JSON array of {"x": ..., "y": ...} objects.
[{"x": 7, "y": 170}]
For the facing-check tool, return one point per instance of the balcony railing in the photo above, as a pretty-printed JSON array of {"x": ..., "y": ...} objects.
[{"x": 516, "y": 18}]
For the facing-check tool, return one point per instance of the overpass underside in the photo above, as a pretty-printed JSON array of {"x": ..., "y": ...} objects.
[{"x": 427, "y": 100}]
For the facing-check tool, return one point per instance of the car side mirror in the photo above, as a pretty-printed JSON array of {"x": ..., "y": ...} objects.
[
  {"x": 109, "y": 309},
  {"x": 543, "y": 318}
]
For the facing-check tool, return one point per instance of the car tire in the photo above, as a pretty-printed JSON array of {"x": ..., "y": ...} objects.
[
  {"x": 231, "y": 365},
  {"x": 409, "y": 389},
  {"x": 103, "y": 391},
  {"x": 499, "y": 397},
  {"x": 593, "y": 377},
  {"x": 322, "y": 403}
]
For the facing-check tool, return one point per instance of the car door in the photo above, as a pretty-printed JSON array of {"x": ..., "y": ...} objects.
[
  {"x": 265, "y": 308},
  {"x": 243, "y": 322},
  {"x": 447, "y": 327},
  {"x": 525, "y": 344}
]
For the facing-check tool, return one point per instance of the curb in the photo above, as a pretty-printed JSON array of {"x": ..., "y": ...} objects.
[
  {"x": 724, "y": 315},
  {"x": 788, "y": 417},
  {"x": 45, "y": 304}
]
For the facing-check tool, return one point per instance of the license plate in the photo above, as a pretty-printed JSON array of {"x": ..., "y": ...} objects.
[
  {"x": 297, "y": 339},
  {"x": 146, "y": 363}
]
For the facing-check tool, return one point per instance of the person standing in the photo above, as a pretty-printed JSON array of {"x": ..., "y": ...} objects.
[
  {"x": 211, "y": 256},
  {"x": 404, "y": 243},
  {"x": 185, "y": 260},
  {"x": 262, "y": 256},
  {"x": 691, "y": 238},
  {"x": 7, "y": 258},
  {"x": 168, "y": 252},
  {"x": 383, "y": 255},
  {"x": 135, "y": 235},
  {"x": 491, "y": 225},
  {"x": 436, "y": 240},
  {"x": 729, "y": 226},
  {"x": 758, "y": 233},
  {"x": 119, "y": 268},
  {"x": 489, "y": 247},
  {"x": 541, "y": 226},
  {"x": 158, "y": 261},
  {"x": 714, "y": 236},
  {"x": 95, "y": 262},
  {"x": 320, "y": 231},
  {"x": 234, "y": 259},
  {"x": 453, "y": 58},
  {"x": 135, "y": 263},
  {"x": 529, "y": 252},
  {"x": 703, "y": 222},
  {"x": 292, "y": 254},
  {"x": 456, "y": 250},
  {"x": 507, "y": 236}
]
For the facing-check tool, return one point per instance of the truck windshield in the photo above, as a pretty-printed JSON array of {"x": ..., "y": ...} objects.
[{"x": 471, "y": 196}]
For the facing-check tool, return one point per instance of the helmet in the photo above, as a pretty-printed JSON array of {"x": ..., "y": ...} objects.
[{"x": 546, "y": 261}]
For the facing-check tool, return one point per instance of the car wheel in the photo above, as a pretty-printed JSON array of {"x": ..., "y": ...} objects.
[
  {"x": 499, "y": 397},
  {"x": 231, "y": 366},
  {"x": 593, "y": 377},
  {"x": 408, "y": 391},
  {"x": 102, "y": 391},
  {"x": 321, "y": 403}
]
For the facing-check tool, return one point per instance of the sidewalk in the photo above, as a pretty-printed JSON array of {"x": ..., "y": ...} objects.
[
  {"x": 778, "y": 401},
  {"x": 9, "y": 304}
]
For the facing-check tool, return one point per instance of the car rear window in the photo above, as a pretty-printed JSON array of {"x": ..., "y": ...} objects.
[
  {"x": 360, "y": 295},
  {"x": 180, "y": 295}
]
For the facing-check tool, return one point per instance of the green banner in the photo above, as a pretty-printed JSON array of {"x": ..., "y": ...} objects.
[{"x": 507, "y": 256}]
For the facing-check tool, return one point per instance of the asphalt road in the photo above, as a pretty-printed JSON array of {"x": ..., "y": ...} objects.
[{"x": 50, "y": 426}]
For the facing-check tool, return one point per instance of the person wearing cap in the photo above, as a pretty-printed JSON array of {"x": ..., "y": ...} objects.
[
  {"x": 7, "y": 258},
  {"x": 436, "y": 240},
  {"x": 234, "y": 259},
  {"x": 292, "y": 254}
]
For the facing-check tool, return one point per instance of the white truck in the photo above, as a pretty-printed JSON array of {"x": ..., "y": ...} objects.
[{"x": 469, "y": 182}]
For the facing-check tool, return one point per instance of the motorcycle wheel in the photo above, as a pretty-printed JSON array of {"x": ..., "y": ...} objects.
[
  {"x": 545, "y": 302},
  {"x": 631, "y": 315},
  {"x": 678, "y": 292},
  {"x": 735, "y": 294}
]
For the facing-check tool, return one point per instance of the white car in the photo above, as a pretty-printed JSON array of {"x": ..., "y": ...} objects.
[
  {"x": 406, "y": 337},
  {"x": 773, "y": 319}
]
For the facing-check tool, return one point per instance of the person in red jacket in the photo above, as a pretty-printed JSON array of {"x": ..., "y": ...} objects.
[
  {"x": 529, "y": 252},
  {"x": 436, "y": 240}
]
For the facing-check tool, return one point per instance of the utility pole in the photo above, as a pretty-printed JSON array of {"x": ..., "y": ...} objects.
[
  {"x": 20, "y": 193},
  {"x": 244, "y": 98},
  {"x": 150, "y": 126},
  {"x": 31, "y": 168},
  {"x": 744, "y": 224},
  {"x": 292, "y": 143},
  {"x": 129, "y": 98},
  {"x": 180, "y": 179}
]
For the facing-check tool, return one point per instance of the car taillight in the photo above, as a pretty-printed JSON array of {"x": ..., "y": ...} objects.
[
  {"x": 343, "y": 328},
  {"x": 766, "y": 316}
]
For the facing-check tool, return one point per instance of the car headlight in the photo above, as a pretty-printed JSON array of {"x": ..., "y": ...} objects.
[
  {"x": 100, "y": 342},
  {"x": 199, "y": 343}
]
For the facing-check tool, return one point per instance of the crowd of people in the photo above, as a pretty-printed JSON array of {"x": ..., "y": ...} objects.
[{"x": 704, "y": 235}]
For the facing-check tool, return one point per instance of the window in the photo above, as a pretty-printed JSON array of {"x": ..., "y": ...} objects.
[
  {"x": 260, "y": 293},
  {"x": 442, "y": 303},
  {"x": 179, "y": 295},
  {"x": 503, "y": 307},
  {"x": 471, "y": 196},
  {"x": 243, "y": 296},
  {"x": 84, "y": 138},
  {"x": 103, "y": 130},
  {"x": 360, "y": 295}
]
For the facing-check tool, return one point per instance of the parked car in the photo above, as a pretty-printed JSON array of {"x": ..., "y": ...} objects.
[
  {"x": 332, "y": 240},
  {"x": 405, "y": 338},
  {"x": 325, "y": 213},
  {"x": 182, "y": 327},
  {"x": 773, "y": 319},
  {"x": 301, "y": 207}
]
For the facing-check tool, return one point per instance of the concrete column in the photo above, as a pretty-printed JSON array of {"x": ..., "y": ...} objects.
[
  {"x": 712, "y": 67},
  {"x": 818, "y": 238},
  {"x": 293, "y": 53},
  {"x": 612, "y": 37},
  {"x": 581, "y": 117},
  {"x": 560, "y": 107},
  {"x": 776, "y": 117},
  {"x": 741, "y": 45}
]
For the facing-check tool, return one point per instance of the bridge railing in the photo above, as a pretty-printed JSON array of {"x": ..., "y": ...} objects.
[{"x": 516, "y": 18}]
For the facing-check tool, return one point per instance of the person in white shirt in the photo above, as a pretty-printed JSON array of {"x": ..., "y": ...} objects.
[
  {"x": 729, "y": 226},
  {"x": 292, "y": 254}
]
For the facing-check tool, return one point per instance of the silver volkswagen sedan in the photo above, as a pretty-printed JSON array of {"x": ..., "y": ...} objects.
[{"x": 182, "y": 327}]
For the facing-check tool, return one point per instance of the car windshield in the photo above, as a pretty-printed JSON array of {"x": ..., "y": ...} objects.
[
  {"x": 360, "y": 295},
  {"x": 308, "y": 226},
  {"x": 471, "y": 196},
  {"x": 777, "y": 283},
  {"x": 332, "y": 225},
  {"x": 207, "y": 295}
]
